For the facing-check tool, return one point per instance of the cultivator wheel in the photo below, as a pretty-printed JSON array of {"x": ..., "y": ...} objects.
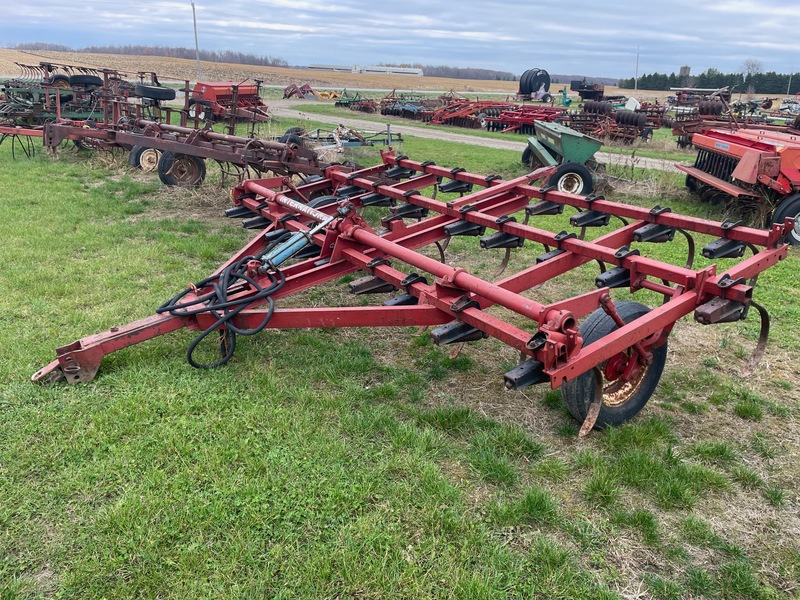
[
  {"x": 618, "y": 398},
  {"x": 181, "y": 169},
  {"x": 145, "y": 159}
]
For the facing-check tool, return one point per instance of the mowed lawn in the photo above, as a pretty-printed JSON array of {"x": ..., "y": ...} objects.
[{"x": 362, "y": 463}]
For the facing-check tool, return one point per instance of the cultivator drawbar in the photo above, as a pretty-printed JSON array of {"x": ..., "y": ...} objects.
[{"x": 315, "y": 233}]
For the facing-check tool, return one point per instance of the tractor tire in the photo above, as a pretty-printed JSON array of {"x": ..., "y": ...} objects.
[
  {"x": 572, "y": 178},
  {"x": 154, "y": 93},
  {"x": 145, "y": 159},
  {"x": 789, "y": 207},
  {"x": 181, "y": 170},
  {"x": 85, "y": 80},
  {"x": 59, "y": 81},
  {"x": 621, "y": 400}
]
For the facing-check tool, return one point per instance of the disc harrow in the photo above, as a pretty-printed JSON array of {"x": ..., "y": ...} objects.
[{"x": 315, "y": 233}]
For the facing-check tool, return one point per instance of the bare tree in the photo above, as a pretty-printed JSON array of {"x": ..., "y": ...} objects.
[{"x": 751, "y": 67}]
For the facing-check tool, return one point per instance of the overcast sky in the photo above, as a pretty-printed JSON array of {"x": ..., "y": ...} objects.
[{"x": 587, "y": 37}]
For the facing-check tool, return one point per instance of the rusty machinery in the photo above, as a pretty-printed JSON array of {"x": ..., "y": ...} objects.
[
  {"x": 757, "y": 170},
  {"x": 221, "y": 100},
  {"x": 607, "y": 367},
  {"x": 177, "y": 152},
  {"x": 182, "y": 151}
]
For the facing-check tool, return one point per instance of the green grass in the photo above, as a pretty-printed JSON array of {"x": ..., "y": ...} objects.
[
  {"x": 662, "y": 145},
  {"x": 352, "y": 464}
]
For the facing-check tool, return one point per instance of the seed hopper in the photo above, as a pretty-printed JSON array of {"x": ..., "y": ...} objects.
[{"x": 605, "y": 353}]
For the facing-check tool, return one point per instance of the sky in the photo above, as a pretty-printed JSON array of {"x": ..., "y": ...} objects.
[{"x": 598, "y": 38}]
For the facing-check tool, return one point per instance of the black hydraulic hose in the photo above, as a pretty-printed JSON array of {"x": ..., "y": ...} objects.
[{"x": 216, "y": 303}]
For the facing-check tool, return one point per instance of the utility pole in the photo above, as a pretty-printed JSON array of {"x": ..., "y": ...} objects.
[
  {"x": 788, "y": 87},
  {"x": 196, "y": 45},
  {"x": 636, "y": 77}
]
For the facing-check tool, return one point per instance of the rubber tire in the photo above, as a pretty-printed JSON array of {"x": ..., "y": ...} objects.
[
  {"x": 691, "y": 184},
  {"x": 59, "y": 77},
  {"x": 136, "y": 155},
  {"x": 154, "y": 93},
  {"x": 571, "y": 168},
  {"x": 579, "y": 392},
  {"x": 526, "y": 156},
  {"x": 295, "y": 131},
  {"x": 166, "y": 163},
  {"x": 789, "y": 207},
  {"x": 291, "y": 138},
  {"x": 85, "y": 80}
]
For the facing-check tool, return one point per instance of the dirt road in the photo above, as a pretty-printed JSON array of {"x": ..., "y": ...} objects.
[{"x": 282, "y": 109}]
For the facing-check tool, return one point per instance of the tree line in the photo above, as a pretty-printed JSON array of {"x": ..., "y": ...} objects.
[
  {"x": 457, "y": 72},
  {"x": 224, "y": 56},
  {"x": 760, "y": 83}
]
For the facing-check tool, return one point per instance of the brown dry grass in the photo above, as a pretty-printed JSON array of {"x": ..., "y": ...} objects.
[{"x": 181, "y": 69}]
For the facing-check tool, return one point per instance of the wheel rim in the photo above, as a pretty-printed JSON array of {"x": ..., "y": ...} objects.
[
  {"x": 148, "y": 159},
  {"x": 616, "y": 390},
  {"x": 571, "y": 183},
  {"x": 185, "y": 170},
  {"x": 795, "y": 233},
  {"x": 61, "y": 84}
]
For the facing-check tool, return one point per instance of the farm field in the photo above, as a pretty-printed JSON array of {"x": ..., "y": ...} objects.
[
  {"x": 181, "y": 69},
  {"x": 363, "y": 463}
]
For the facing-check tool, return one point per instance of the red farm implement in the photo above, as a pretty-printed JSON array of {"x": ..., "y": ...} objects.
[
  {"x": 314, "y": 234},
  {"x": 465, "y": 113},
  {"x": 304, "y": 91},
  {"x": 220, "y": 100},
  {"x": 758, "y": 171},
  {"x": 522, "y": 119}
]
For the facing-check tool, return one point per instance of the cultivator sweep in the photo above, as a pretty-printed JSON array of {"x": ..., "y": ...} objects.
[{"x": 315, "y": 233}]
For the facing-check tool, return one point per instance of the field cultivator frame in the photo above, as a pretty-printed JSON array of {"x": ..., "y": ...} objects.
[
  {"x": 314, "y": 234},
  {"x": 244, "y": 153}
]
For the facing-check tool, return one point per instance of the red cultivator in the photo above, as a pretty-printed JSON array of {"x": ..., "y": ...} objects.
[{"x": 607, "y": 368}]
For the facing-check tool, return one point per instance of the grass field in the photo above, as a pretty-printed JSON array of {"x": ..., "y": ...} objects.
[{"x": 363, "y": 463}]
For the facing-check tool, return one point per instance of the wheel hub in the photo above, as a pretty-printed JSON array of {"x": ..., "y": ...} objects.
[
  {"x": 616, "y": 389},
  {"x": 570, "y": 183},
  {"x": 148, "y": 160}
]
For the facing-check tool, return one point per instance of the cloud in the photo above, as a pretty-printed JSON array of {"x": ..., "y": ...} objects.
[{"x": 579, "y": 37}]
